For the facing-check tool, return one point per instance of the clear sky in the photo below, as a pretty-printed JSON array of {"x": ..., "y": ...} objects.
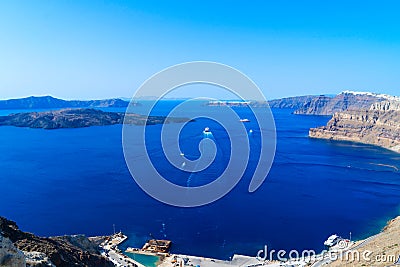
[{"x": 99, "y": 49}]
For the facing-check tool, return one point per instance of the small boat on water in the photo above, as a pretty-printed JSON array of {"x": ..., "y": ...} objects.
[
  {"x": 244, "y": 120},
  {"x": 206, "y": 130},
  {"x": 332, "y": 240}
]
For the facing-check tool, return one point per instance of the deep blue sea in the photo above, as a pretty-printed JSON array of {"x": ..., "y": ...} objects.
[{"x": 69, "y": 181}]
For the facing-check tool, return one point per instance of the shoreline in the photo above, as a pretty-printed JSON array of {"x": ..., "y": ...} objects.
[
  {"x": 320, "y": 134},
  {"x": 175, "y": 259},
  {"x": 382, "y": 249}
]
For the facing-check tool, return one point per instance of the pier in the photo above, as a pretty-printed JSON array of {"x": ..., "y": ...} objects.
[
  {"x": 110, "y": 250},
  {"x": 157, "y": 246}
]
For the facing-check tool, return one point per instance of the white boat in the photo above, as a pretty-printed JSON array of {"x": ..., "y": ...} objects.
[
  {"x": 332, "y": 240},
  {"x": 244, "y": 120},
  {"x": 206, "y": 130}
]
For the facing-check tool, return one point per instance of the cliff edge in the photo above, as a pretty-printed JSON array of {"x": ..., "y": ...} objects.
[
  {"x": 379, "y": 125},
  {"x": 346, "y": 100}
]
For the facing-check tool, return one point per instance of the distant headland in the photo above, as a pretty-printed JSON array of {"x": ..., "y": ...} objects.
[
  {"x": 362, "y": 117},
  {"x": 79, "y": 118},
  {"x": 49, "y": 102},
  {"x": 315, "y": 104},
  {"x": 378, "y": 124}
]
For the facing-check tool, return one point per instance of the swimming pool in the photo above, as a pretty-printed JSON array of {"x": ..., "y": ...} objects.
[{"x": 146, "y": 260}]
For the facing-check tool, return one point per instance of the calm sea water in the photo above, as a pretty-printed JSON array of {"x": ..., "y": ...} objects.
[{"x": 69, "y": 181}]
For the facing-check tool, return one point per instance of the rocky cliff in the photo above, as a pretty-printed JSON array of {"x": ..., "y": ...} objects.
[
  {"x": 344, "y": 101},
  {"x": 315, "y": 105},
  {"x": 379, "y": 125},
  {"x": 296, "y": 102},
  {"x": 49, "y": 102},
  {"x": 40, "y": 251}
]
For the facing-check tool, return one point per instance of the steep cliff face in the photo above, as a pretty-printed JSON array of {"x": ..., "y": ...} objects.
[
  {"x": 296, "y": 102},
  {"x": 315, "y": 106},
  {"x": 386, "y": 105},
  {"x": 345, "y": 101},
  {"x": 379, "y": 125}
]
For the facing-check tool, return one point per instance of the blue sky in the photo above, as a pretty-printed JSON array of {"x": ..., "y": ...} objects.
[{"x": 99, "y": 49}]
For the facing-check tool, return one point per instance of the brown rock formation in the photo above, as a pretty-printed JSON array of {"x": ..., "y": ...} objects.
[
  {"x": 59, "y": 250},
  {"x": 379, "y": 125}
]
